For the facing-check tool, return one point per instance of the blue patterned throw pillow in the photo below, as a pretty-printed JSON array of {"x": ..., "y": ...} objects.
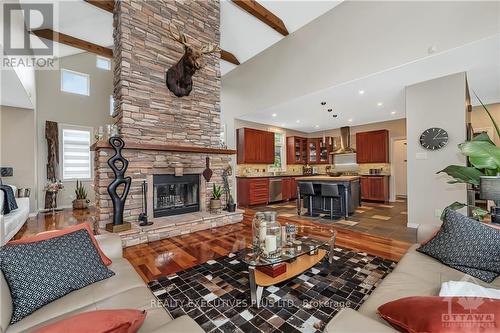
[
  {"x": 41, "y": 272},
  {"x": 466, "y": 245}
]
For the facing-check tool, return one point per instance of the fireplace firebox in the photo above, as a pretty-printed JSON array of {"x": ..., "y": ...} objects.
[{"x": 173, "y": 195}]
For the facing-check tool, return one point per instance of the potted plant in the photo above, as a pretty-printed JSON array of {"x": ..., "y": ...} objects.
[
  {"x": 80, "y": 201},
  {"x": 231, "y": 205},
  {"x": 215, "y": 202},
  {"x": 484, "y": 157}
]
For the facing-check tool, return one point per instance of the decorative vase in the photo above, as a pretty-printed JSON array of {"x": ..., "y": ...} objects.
[
  {"x": 231, "y": 207},
  {"x": 270, "y": 237},
  {"x": 81, "y": 204}
]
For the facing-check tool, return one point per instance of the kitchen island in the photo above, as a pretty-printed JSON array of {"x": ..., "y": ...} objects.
[{"x": 349, "y": 190}]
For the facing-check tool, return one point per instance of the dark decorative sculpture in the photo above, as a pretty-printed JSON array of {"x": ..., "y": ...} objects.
[
  {"x": 179, "y": 77},
  {"x": 118, "y": 199},
  {"x": 52, "y": 137}
]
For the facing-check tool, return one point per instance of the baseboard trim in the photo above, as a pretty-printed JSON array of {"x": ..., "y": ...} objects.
[{"x": 412, "y": 225}]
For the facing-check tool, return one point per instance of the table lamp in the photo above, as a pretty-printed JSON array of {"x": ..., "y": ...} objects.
[{"x": 489, "y": 189}]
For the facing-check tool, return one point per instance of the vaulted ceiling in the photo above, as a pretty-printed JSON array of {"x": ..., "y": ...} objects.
[{"x": 247, "y": 27}]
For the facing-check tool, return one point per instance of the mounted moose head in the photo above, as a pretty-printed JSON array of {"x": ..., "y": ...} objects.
[{"x": 179, "y": 76}]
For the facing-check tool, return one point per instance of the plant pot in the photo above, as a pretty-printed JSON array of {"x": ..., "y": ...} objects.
[
  {"x": 215, "y": 204},
  {"x": 80, "y": 204},
  {"x": 231, "y": 208}
]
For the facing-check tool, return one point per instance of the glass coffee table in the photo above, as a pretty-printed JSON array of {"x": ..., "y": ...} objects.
[{"x": 297, "y": 257}]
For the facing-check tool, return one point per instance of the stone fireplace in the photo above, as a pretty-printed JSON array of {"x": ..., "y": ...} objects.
[
  {"x": 175, "y": 192},
  {"x": 174, "y": 195},
  {"x": 164, "y": 134}
]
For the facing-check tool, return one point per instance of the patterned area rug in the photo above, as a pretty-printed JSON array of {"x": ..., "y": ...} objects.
[{"x": 216, "y": 294}]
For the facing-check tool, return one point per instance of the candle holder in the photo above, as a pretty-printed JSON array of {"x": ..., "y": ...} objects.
[
  {"x": 270, "y": 231},
  {"x": 256, "y": 225}
]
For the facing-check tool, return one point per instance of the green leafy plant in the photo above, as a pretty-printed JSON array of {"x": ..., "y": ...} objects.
[
  {"x": 231, "y": 199},
  {"x": 484, "y": 156},
  {"x": 216, "y": 192},
  {"x": 80, "y": 191}
]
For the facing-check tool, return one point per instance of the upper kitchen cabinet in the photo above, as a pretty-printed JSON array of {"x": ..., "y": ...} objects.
[
  {"x": 254, "y": 146},
  {"x": 372, "y": 147},
  {"x": 296, "y": 150},
  {"x": 318, "y": 150}
]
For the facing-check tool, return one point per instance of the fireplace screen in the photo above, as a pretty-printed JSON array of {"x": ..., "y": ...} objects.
[{"x": 175, "y": 195}]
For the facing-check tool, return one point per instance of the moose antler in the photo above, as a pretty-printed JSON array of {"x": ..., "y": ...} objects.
[
  {"x": 178, "y": 35},
  {"x": 210, "y": 48}
]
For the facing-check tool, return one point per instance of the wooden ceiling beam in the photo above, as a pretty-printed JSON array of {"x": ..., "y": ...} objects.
[
  {"x": 107, "y": 5},
  {"x": 74, "y": 42},
  {"x": 260, "y": 12},
  {"x": 229, "y": 57}
]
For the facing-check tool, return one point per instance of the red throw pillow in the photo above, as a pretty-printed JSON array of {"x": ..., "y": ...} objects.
[
  {"x": 101, "y": 321},
  {"x": 56, "y": 233},
  {"x": 442, "y": 314}
]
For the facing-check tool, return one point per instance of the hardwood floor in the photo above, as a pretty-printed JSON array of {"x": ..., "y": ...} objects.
[{"x": 171, "y": 255}]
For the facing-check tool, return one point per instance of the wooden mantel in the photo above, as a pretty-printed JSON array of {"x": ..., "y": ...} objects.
[{"x": 165, "y": 147}]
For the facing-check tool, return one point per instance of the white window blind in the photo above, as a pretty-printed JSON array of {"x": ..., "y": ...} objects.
[{"x": 76, "y": 157}]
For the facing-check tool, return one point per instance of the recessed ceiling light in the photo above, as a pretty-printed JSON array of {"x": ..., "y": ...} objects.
[
  {"x": 361, "y": 92},
  {"x": 317, "y": 126},
  {"x": 298, "y": 121},
  {"x": 330, "y": 110},
  {"x": 334, "y": 115},
  {"x": 323, "y": 103},
  {"x": 380, "y": 104},
  {"x": 349, "y": 120},
  {"x": 393, "y": 112},
  {"x": 274, "y": 115}
]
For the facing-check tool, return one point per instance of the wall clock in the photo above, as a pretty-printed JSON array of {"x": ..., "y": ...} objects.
[{"x": 434, "y": 138}]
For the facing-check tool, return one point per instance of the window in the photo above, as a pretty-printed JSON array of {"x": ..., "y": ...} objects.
[
  {"x": 103, "y": 63},
  {"x": 111, "y": 105},
  {"x": 75, "y": 152},
  {"x": 279, "y": 152},
  {"x": 74, "y": 82}
]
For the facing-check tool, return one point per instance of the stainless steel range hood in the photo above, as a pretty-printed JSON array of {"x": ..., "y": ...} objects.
[{"x": 345, "y": 142}]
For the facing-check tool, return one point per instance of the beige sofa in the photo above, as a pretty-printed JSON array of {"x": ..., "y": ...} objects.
[
  {"x": 415, "y": 275},
  {"x": 124, "y": 290}
]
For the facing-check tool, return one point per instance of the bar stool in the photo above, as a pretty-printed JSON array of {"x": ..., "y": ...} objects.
[
  {"x": 307, "y": 190},
  {"x": 331, "y": 191}
]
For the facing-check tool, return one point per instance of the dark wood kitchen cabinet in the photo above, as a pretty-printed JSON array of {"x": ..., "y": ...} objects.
[
  {"x": 289, "y": 187},
  {"x": 254, "y": 146},
  {"x": 252, "y": 191},
  {"x": 372, "y": 147},
  {"x": 375, "y": 188},
  {"x": 296, "y": 150}
]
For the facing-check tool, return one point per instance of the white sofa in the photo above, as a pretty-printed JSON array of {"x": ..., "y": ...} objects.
[
  {"x": 12, "y": 222},
  {"x": 415, "y": 275},
  {"x": 125, "y": 290}
]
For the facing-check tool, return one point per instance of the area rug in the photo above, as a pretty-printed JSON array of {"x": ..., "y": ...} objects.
[{"x": 216, "y": 294}]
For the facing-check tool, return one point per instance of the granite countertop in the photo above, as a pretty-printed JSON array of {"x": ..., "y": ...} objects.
[
  {"x": 277, "y": 176},
  {"x": 374, "y": 175},
  {"x": 328, "y": 178}
]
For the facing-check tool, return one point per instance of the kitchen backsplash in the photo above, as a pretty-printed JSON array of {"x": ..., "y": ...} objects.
[
  {"x": 260, "y": 170},
  {"x": 364, "y": 169}
]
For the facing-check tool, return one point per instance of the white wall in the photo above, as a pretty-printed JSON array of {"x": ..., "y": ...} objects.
[
  {"x": 480, "y": 120},
  {"x": 435, "y": 103},
  {"x": 72, "y": 109},
  {"x": 17, "y": 141}
]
